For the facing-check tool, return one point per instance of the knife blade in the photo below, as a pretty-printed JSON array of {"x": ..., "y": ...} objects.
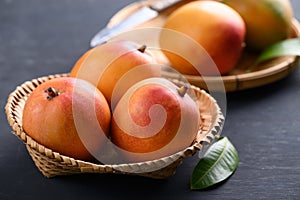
[{"x": 143, "y": 14}]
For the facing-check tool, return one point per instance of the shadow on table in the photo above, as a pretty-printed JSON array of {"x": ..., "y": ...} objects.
[{"x": 270, "y": 91}]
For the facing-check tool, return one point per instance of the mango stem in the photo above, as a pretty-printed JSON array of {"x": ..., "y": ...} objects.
[
  {"x": 51, "y": 92},
  {"x": 142, "y": 49},
  {"x": 183, "y": 90}
]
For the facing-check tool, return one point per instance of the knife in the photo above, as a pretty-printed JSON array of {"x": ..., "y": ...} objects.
[{"x": 143, "y": 14}]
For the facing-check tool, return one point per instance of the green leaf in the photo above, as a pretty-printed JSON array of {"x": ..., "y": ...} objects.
[
  {"x": 218, "y": 163},
  {"x": 288, "y": 47}
]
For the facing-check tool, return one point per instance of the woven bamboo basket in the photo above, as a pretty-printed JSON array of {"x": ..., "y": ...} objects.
[
  {"x": 52, "y": 163},
  {"x": 245, "y": 74}
]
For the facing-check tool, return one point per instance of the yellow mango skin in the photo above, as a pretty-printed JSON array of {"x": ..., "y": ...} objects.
[{"x": 267, "y": 21}]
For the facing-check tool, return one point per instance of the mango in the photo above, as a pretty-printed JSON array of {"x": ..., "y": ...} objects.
[{"x": 267, "y": 21}]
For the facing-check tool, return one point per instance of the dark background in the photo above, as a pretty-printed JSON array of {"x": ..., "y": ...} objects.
[{"x": 39, "y": 38}]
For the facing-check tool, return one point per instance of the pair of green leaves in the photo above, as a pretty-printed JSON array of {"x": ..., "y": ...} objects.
[{"x": 218, "y": 163}]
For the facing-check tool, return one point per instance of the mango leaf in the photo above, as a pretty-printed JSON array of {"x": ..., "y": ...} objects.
[
  {"x": 218, "y": 163},
  {"x": 288, "y": 47}
]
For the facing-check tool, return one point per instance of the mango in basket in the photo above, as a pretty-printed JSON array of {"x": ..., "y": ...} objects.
[
  {"x": 121, "y": 63},
  {"x": 59, "y": 115},
  {"x": 214, "y": 26},
  {"x": 155, "y": 118},
  {"x": 267, "y": 21}
]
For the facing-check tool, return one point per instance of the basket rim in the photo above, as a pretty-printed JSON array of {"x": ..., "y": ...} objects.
[{"x": 17, "y": 129}]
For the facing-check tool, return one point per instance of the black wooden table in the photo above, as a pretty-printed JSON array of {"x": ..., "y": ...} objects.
[{"x": 39, "y": 38}]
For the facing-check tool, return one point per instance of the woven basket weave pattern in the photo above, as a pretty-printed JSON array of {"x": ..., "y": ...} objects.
[{"x": 52, "y": 163}]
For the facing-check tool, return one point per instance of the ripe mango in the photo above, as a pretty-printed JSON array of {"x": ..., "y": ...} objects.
[{"x": 267, "y": 21}]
